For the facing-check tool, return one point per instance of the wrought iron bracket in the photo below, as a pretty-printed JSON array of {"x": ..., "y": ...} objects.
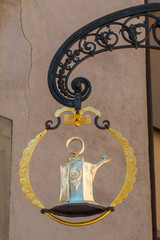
[{"x": 126, "y": 28}]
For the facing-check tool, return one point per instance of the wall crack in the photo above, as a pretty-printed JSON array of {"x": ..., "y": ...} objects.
[{"x": 27, "y": 85}]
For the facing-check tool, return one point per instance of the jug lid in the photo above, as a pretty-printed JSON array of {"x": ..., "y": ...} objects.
[{"x": 75, "y": 159}]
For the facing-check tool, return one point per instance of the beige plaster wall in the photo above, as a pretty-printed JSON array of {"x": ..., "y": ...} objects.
[
  {"x": 5, "y": 173},
  {"x": 30, "y": 33},
  {"x": 157, "y": 177},
  {"x": 155, "y": 59}
]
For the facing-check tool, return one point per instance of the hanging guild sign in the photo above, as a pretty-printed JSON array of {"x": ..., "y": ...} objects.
[
  {"x": 76, "y": 178},
  {"x": 76, "y": 174}
]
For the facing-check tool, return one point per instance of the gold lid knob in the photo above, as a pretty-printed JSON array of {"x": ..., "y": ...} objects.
[{"x": 75, "y": 154}]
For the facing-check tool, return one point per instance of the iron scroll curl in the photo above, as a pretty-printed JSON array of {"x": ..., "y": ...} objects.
[{"x": 132, "y": 31}]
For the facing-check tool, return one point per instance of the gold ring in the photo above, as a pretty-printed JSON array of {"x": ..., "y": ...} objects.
[
  {"x": 126, "y": 189},
  {"x": 75, "y": 154}
]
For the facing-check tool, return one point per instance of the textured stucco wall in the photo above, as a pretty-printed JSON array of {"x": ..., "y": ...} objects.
[
  {"x": 30, "y": 33},
  {"x": 157, "y": 169},
  {"x": 5, "y": 167},
  {"x": 155, "y": 59}
]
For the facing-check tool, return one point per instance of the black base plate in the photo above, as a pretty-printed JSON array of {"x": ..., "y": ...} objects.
[{"x": 77, "y": 209}]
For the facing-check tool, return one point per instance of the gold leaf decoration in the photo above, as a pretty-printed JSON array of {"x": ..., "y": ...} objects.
[
  {"x": 77, "y": 118},
  {"x": 131, "y": 168},
  {"x": 126, "y": 189},
  {"x": 24, "y": 170}
]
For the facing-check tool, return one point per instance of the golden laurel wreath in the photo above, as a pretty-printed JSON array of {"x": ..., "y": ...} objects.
[{"x": 126, "y": 189}]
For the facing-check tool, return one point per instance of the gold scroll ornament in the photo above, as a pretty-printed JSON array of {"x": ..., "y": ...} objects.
[
  {"x": 77, "y": 118},
  {"x": 126, "y": 189}
]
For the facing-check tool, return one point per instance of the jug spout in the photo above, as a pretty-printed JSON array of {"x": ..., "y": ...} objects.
[{"x": 95, "y": 167}]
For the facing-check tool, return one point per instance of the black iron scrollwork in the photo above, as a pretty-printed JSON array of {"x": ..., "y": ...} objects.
[
  {"x": 155, "y": 27},
  {"x": 127, "y": 28},
  {"x": 49, "y": 123},
  {"x": 105, "y": 122}
]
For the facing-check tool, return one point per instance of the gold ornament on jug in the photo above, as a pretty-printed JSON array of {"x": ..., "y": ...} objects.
[{"x": 76, "y": 190}]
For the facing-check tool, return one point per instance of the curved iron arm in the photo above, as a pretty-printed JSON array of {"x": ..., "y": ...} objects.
[
  {"x": 96, "y": 37},
  {"x": 49, "y": 123},
  {"x": 106, "y": 124}
]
